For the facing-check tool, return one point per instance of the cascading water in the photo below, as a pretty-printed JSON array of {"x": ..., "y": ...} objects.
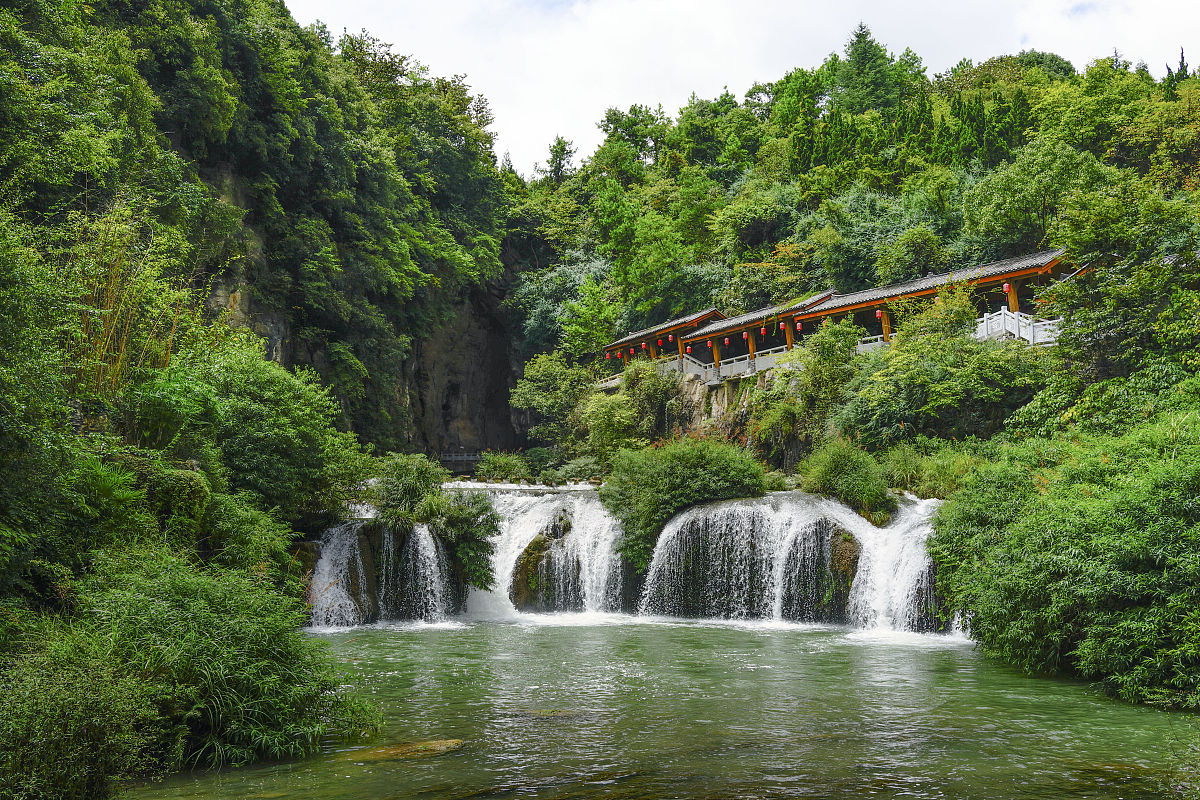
[
  {"x": 797, "y": 557},
  {"x": 787, "y": 556},
  {"x": 369, "y": 571},
  {"x": 339, "y": 578},
  {"x": 414, "y": 578},
  {"x": 557, "y": 551}
]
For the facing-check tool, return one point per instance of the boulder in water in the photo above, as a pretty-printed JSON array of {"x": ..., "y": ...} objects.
[
  {"x": 526, "y": 591},
  {"x": 391, "y": 752}
]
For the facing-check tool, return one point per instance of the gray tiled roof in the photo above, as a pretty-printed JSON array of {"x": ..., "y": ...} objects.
[
  {"x": 934, "y": 281},
  {"x": 636, "y": 335},
  {"x": 761, "y": 314},
  {"x": 829, "y": 301}
]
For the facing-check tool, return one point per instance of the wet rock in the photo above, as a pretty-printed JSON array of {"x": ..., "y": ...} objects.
[
  {"x": 527, "y": 580},
  {"x": 391, "y": 752}
]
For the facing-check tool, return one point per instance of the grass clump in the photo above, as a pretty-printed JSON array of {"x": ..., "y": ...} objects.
[
  {"x": 506, "y": 467},
  {"x": 649, "y": 486},
  {"x": 928, "y": 467},
  {"x": 166, "y": 665},
  {"x": 850, "y": 474}
]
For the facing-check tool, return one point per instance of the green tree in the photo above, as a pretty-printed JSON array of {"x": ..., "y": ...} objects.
[
  {"x": 865, "y": 76},
  {"x": 551, "y": 389}
]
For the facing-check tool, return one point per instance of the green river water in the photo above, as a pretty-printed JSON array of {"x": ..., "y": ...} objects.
[{"x": 607, "y": 706}]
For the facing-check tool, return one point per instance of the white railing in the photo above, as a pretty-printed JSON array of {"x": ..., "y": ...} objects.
[
  {"x": 1004, "y": 323},
  {"x": 999, "y": 325},
  {"x": 870, "y": 343}
]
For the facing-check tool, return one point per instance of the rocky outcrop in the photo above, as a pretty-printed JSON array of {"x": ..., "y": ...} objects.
[
  {"x": 527, "y": 591},
  {"x": 460, "y": 378}
]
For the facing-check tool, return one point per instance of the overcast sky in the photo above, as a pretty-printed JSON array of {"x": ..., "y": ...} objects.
[{"x": 552, "y": 67}]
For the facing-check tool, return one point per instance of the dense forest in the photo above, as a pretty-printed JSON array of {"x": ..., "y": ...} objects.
[{"x": 224, "y": 237}]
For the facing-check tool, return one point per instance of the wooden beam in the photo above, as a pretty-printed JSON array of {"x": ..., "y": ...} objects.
[
  {"x": 679, "y": 342},
  {"x": 716, "y": 353},
  {"x": 650, "y": 349},
  {"x": 787, "y": 333},
  {"x": 886, "y": 318},
  {"x": 750, "y": 341},
  {"x": 1013, "y": 305}
]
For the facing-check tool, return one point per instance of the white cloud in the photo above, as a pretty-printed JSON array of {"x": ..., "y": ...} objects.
[{"x": 552, "y": 67}]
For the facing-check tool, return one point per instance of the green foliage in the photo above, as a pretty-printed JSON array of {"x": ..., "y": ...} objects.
[
  {"x": 929, "y": 467},
  {"x": 841, "y": 470},
  {"x": 467, "y": 523},
  {"x": 937, "y": 380},
  {"x": 647, "y": 487},
  {"x": 792, "y": 416},
  {"x": 612, "y": 425},
  {"x": 655, "y": 398},
  {"x": 1077, "y": 557},
  {"x": 402, "y": 482},
  {"x": 551, "y": 389},
  {"x": 916, "y": 252},
  {"x": 507, "y": 467},
  {"x": 76, "y": 722},
  {"x": 167, "y": 666}
]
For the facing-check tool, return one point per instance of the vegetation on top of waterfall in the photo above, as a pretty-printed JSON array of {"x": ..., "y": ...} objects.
[
  {"x": 509, "y": 467},
  {"x": 841, "y": 470},
  {"x": 649, "y": 486},
  {"x": 408, "y": 490}
]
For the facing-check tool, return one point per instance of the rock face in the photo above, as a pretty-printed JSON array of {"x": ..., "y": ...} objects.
[
  {"x": 844, "y": 552},
  {"x": 456, "y": 382},
  {"x": 460, "y": 378}
]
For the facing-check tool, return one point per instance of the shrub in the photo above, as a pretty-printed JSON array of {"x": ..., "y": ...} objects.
[
  {"x": 239, "y": 534},
  {"x": 77, "y": 721},
  {"x": 466, "y": 522},
  {"x": 224, "y": 657},
  {"x": 931, "y": 468},
  {"x": 841, "y": 470},
  {"x": 581, "y": 469},
  {"x": 508, "y": 467},
  {"x": 647, "y": 487},
  {"x": 611, "y": 426},
  {"x": 539, "y": 459},
  {"x": 402, "y": 481},
  {"x": 1079, "y": 558},
  {"x": 654, "y": 396}
]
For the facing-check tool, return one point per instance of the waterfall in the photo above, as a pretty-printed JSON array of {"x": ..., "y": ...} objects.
[
  {"x": 556, "y": 551},
  {"x": 786, "y": 556},
  {"x": 792, "y": 556},
  {"x": 339, "y": 581},
  {"x": 369, "y": 571},
  {"x": 414, "y": 578}
]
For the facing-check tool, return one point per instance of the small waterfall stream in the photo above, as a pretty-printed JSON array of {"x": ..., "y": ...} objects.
[
  {"x": 369, "y": 571},
  {"x": 794, "y": 556},
  {"x": 786, "y": 556},
  {"x": 578, "y": 568}
]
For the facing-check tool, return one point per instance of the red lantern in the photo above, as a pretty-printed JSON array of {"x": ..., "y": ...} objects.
[
  {"x": 710, "y": 342},
  {"x": 878, "y": 314},
  {"x": 608, "y": 355},
  {"x": 799, "y": 324},
  {"x": 782, "y": 325},
  {"x": 643, "y": 345},
  {"x": 631, "y": 351},
  {"x": 671, "y": 338},
  {"x": 726, "y": 340},
  {"x": 763, "y": 332},
  {"x": 745, "y": 334},
  {"x": 660, "y": 342},
  {"x": 1006, "y": 288},
  {"x": 689, "y": 348}
]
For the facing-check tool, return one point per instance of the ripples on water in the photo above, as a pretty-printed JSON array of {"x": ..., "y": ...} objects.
[{"x": 594, "y": 705}]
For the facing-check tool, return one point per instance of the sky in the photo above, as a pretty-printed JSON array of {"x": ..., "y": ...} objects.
[{"x": 552, "y": 67}]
